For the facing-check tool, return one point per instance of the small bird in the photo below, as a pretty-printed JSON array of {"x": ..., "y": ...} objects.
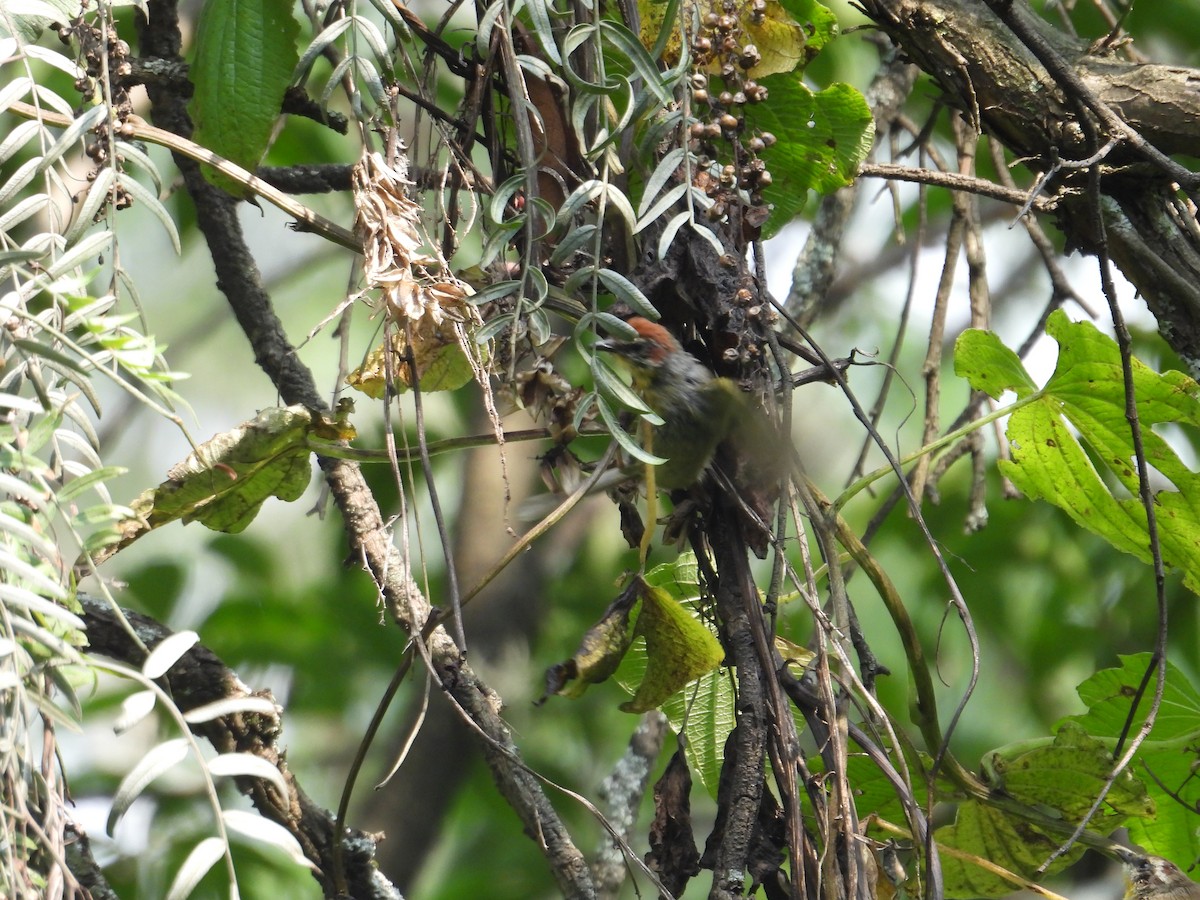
[
  {"x": 1155, "y": 878},
  {"x": 699, "y": 410}
]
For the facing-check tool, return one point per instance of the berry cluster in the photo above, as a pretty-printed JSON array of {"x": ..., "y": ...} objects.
[
  {"x": 100, "y": 48},
  {"x": 722, "y": 44}
]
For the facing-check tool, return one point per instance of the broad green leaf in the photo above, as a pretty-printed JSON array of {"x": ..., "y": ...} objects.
[
  {"x": 703, "y": 711},
  {"x": 983, "y": 360},
  {"x": 225, "y": 481},
  {"x": 245, "y": 55},
  {"x": 679, "y": 649},
  {"x": 1065, "y": 775},
  {"x": 228, "y": 478},
  {"x": 1169, "y": 754},
  {"x": 818, "y": 22},
  {"x": 986, "y": 832},
  {"x": 1109, "y": 694},
  {"x": 1087, "y": 391},
  {"x": 823, "y": 137}
]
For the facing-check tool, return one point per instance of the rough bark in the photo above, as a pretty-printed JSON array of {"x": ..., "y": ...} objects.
[{"x": 1051, "y": 100}]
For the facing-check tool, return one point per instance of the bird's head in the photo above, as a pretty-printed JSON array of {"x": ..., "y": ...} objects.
[
  {"x": 1155, "y": 878},
  {"x": 649, "y": 350}
]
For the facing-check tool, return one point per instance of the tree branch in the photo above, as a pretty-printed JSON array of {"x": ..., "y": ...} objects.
[
  {"x": 200, "y": 678},
  {"x": 1001, "y": 77}
]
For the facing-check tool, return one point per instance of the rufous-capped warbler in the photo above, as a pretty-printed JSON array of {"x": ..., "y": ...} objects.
[{"x": 699, "y": 409}]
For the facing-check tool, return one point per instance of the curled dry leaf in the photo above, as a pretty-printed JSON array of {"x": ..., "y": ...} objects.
[{"x": 431, "y": 313}]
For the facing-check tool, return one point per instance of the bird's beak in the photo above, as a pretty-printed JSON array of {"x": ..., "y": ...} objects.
[
  {"x": 1128, "y": 856},
  {"x": 609, "y": 345}
]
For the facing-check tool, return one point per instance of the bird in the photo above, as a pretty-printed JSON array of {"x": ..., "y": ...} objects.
[
  {"x": 699, "y": 410},
  {"x": 1155, "y": 878}
]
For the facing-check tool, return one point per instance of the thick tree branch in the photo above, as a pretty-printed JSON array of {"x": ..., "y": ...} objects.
[
  {"x": 199, "y": 678},
  {"x": 992, "y": 74}
]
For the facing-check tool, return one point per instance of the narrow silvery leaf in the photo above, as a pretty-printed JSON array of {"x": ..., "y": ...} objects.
[
  {"x": 160, "y": 758},
  {"x": 202, "y": 858},
  {"x": 235, "y": 764},
  {"x": 134, "y": 708},
  {"x": 260, "y": 829},
  {"x": 168, "y": 652}
]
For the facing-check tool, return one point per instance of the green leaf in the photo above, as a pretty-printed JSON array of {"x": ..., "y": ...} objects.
[
  {"x": 822, "y": 137},
  {"x": 989, "y": 366},
  {"x": 245, "y": 55},
  {"x": 984, "y": 831},
  {"x": 1065, "y": 775},
  {"x": 679, "y": 649},
  {"x": 1168, "y": 754},
  {"x": 1087, "y": 391},
  {"x": 225, "y": 481},
  {"x": 818, "y": 22},
  {"x": 613, "y": 423},
  {"x": 1109, "y": 693}
]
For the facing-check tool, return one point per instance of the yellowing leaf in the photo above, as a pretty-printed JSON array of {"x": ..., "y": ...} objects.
[
  {"x": 780, "y": 39},
  {"x": 437, "y": 351},
  {"x": 652, "y": 16},
  {"x": 224, "y": 482},
  {"x": 679, "y": 649},
  {"x": 601, "y": 650}
]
